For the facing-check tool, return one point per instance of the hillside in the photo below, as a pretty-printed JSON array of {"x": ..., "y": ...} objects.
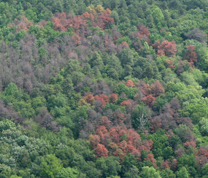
[{"x": 103, "y": 89}]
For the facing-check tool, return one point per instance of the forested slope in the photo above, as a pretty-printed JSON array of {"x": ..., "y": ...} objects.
[{"x": 103, "y": 89}]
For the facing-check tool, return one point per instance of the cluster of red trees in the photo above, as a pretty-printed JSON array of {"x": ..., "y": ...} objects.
[
  {"x": 63, "y": 22},
  {"x": 22, "y": 24},
  {"x": 103, "y": 99},
  {"x": 166, "y": 48},
  {"x": 118, "y": 141},
  {"x": 136, "y": 36},
  {"x": 149, "y": 92}
]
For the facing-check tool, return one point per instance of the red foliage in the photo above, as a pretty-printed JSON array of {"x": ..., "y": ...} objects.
[
  {"x": 127, "y": 104},
  {"x": 79, "y": 23},
  {"x": 143, "y": 30},
  {"x": 94, "y": 140},
  {"x": 157, "y": 89},
  {"x": 60, "y": 22},
  {"x": 119, "y": 116},
  {"x": 124, "y": 44},
  {"x": 102, "y": 98},
  {"x": 170, "y": 64},
  {"x": 114, "y": 133},
  {"x": 101, "y": 151},
  {"x": 201, "y": 160},
  {"x": 190, "y": 143},
  {"x": 77, "y": 39},
  {"x": 119, "y": 141},
  {"x": 103, "y": 20},
  {"x": 147, "y": 145},
  {"x": 174, "y": 164},
  {"x": 145, "y": 88},
  {"x": 150, "y": 157},
  {"x": 166, "y": 48},
  {"x": 113, "y": 98},
  {"x": 190, "y": 55},
  {"x": 149, "y": 100},
  {"x": 203, "y": 152},
  {"x": 129, "y": 83},
  {"x": 103, "y": 133},
  {"x": 142, "y": 34},
  {"x": 105, "y": 121},
  {"x": 22, "y": 24},
  {"x": 123, "y": 146},
  {"x": 165, "y": 165},
  {"x": 89, "y": 99}
]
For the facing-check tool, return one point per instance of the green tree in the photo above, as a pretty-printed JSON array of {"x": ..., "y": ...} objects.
[
  {"x": 167, "y": 173},
  {"x": 11, "y": 89},
  {"x": 158, "y": 16},
  {"x": 182, "y": 173},
  {"x": 203, "y": 123},
  {"x": 150, "y": 172},
  {"x": 109, "y": 166},
  {"x": 67, "y": 173},
  {"x": 50, "y": 166}
]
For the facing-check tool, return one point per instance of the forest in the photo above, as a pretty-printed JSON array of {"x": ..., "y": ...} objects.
[{"x": 103, "y": 89}]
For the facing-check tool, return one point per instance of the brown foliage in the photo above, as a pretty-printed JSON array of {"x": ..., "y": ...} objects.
[
  {"x": 165, "y": 164},
  {"x": 157, "y": 89},
  {"x": 101, "y": 151},
  {"x": 149, "y": 100},
  {"x": 166, "y": 48},
  {"x": 150, "y": 157},
  {"x": 190, "y": 143},
  {"x": 119, "y": 141},
  {"x": 22, "y": 24},
  {"x": 129, "y": 83},
  {"x": 190, "y": 55},
  {"x": 79, "y": 23},
  {"x": 170, "y": 64},
  {"x": 89, "y": 98},
  {"x": 113, "y": 98}
]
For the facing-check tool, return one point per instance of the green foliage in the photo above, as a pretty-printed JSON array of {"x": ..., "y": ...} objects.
[
  {"x": 50, "y": 166},
  {"x": 63, "y": 79},
  {"x": 150, "y": 172},
  {"x": 67, "y": 173},
  {"x": 182, "y": 173}
]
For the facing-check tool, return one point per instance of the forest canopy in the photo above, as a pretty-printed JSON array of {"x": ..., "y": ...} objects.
[{"x": 103, "y": 89}]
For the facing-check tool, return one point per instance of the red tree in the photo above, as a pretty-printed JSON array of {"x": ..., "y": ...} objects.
[
  {"x": 127, "y": 104},
  {"x": 150, "y": 157},
  {"x": 129, "y": 83},
  {"x": 203, "y": 152},
  {"x": 101, "y": 151},
  {"x": 190, "y": 143},
  {"x": 157, "y": 89},
  {"x": 165, "y": 164},
  {"x": 149, "y": 100},
  {"x": 113, "y": 98},
  {"x": 102, "y": 98},
  {"x": 124, "y": 44},
  {"x": 190, "y": 55},
  {"x": 105, "y": 121},
  {"x": 166, "y": 48},
  {"x": 170, "y": 64},
  {"x": 94, "y": 140},
  {"x": 89, "y": 98}
]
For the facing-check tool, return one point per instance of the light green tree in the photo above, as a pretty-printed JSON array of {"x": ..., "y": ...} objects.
[
  {"x": 182, "y": 173},
  {"x": 50, "y": 166},
  {"x": 149, "y": 172}
]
